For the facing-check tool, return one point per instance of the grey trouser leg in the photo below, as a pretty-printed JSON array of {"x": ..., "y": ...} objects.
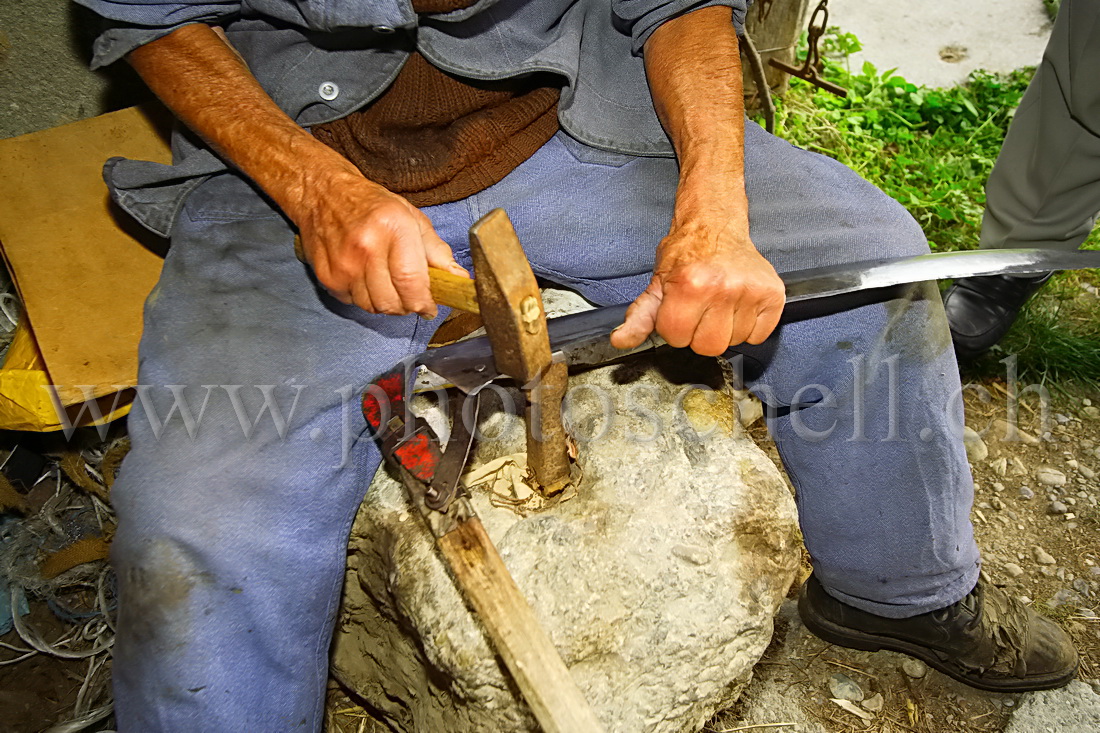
[{"x": 1045, "y": 187}]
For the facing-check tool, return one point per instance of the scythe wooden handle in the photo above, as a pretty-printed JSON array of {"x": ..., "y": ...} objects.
[{"x": 541, "y": 675}]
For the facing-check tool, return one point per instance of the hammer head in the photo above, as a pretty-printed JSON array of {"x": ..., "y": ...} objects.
[{"x": 511, "y": 306}]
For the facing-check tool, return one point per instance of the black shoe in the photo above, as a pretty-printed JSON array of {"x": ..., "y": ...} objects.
[
  {"x": 987, "y": 640},
  {"x": 980, "y": 310}
]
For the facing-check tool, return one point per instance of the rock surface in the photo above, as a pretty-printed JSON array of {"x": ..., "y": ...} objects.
[
  {"x": 914, "y": 668},
  {"x": 773, "y": 700},
  {"x": 1072, "y": 709},
  {"x": 657, "y": 582},
  {"x": 843, "y": 687},
  {"x": 976, "y": 449},
  {"x": 1050, "y": 476},
  {"x": 1042, "y": 556}
]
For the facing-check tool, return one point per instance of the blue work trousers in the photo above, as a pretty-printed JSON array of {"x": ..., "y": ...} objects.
[{"x": 234, "y": 510}]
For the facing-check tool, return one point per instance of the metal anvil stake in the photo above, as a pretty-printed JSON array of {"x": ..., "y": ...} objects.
[{"x": 507, "y": 297}]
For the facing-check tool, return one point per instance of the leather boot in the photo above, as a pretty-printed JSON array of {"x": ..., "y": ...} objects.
[
  {"x": 987, "y": 640},
  {"x": 980, "y": 310}
]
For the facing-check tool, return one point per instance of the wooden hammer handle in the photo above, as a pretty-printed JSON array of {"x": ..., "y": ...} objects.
[{"x": 453, "y": 291}]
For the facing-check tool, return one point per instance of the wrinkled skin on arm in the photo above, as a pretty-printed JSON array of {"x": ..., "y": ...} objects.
[
  {"x": 367, "y": 246},
  {"x": 710, "y": 289}
]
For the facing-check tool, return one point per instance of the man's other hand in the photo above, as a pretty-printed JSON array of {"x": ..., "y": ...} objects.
[
  {"x": 710, "y": 290},
  {"x": 369, "y": 246}
]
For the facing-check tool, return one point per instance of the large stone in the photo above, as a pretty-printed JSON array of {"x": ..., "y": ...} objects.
[
  {"x": 657, "y": 582},
  {"x": 1074, "y": 708}
]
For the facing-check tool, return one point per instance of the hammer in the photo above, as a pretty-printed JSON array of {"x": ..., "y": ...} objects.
[
  {"x": 453, "y": 291},
  {"x": 507, "y": 297}
]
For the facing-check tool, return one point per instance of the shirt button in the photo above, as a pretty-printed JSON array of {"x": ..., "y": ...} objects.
[
  {"x": 328, "y": 91},
  {"x": 384, "y": 30}
]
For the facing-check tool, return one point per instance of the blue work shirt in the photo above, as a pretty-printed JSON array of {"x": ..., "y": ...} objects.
[{"x": 323, "y": 59}]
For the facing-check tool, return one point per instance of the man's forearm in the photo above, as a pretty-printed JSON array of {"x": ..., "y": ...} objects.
[
  {"x": 206, "y": 85},
  {"x": 367, "y": 245},
  {"x": 694, "y": 73},
  {"x": 710, "y": 288}
]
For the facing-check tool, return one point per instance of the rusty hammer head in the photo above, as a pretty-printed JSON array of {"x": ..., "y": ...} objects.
[{"x": 511, "y": 306}]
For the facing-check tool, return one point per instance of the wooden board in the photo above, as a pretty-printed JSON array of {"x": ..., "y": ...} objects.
[
  {"x": 82, "y": 268},
  {"x": 541, "y": 675}
]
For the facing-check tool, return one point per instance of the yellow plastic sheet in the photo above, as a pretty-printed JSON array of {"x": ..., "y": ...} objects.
[{"x": 28, "y": 400}]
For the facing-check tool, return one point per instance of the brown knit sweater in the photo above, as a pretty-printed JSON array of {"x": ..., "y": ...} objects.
[{"x": 434, "y": 138}]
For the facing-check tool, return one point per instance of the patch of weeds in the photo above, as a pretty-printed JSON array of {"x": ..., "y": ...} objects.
[
  {"x": 932, "y": 150},
  {"x": 1056, "y": 338},
  {"x": 1060, "y": 614}
]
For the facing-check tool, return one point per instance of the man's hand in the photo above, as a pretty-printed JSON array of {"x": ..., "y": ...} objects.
[
  {"x": 371, "y": 247},
  {"x": 710, "y": 290}
]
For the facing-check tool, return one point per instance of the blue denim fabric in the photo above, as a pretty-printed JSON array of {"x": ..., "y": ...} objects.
[{"x": 233, "y": 526}]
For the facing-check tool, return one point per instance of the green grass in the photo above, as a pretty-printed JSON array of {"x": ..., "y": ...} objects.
[
  {"x": 1056, "y": 338},
  {"x": 932, "y": 150}
]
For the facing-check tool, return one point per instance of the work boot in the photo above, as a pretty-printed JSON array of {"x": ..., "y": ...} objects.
[
  {"x": 987, "y": 640},
  {"x": 980, "y": 310}
]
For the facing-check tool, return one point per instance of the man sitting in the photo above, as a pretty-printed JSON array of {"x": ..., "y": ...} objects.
[{"x": 613, "y": 134}]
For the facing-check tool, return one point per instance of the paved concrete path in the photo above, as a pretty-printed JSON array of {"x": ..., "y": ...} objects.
[{"x": 940, "y": 43}]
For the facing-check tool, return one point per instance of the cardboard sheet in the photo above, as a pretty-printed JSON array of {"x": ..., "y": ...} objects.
[{"x": 82, "y": 268}]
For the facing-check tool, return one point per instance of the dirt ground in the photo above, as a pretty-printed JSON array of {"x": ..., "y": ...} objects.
[{"x": 41, "y": 690}]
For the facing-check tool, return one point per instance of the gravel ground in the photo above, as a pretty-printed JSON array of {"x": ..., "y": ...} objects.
[{"x": 1037, "y": 521}]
